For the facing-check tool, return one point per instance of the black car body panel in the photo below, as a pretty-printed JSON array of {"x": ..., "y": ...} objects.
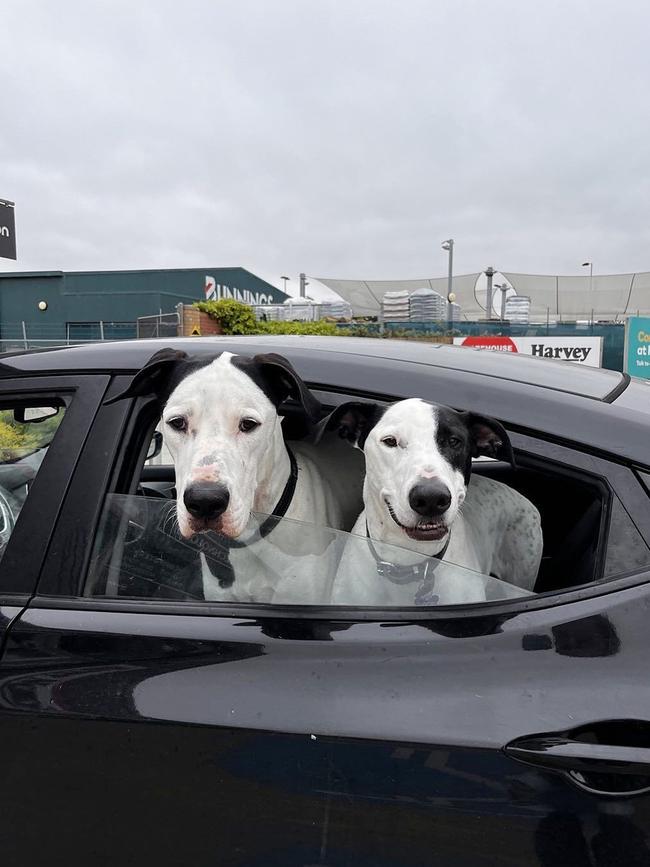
[
  {"x": 132, "y": 355},
  {"x": 357, "y": 741}
]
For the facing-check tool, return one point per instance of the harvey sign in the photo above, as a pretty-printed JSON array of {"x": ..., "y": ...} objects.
[
  {"x": 637, "y": 346},
  {"x": 583, "y": 350}
]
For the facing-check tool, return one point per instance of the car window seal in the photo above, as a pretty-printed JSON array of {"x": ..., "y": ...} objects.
[
  {"x": 349, "y": 614},
  {"x": 618, "y": 390}
]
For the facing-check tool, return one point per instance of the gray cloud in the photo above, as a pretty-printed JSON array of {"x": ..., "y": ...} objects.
[{"x": 342, "y": 139}]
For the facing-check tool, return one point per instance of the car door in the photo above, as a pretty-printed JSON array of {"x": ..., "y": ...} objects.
[
  {"x": 35, "y": 472},
  {"x": 147, "y": 731}
]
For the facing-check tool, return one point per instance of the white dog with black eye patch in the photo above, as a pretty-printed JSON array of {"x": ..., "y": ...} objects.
[
  {"x": 222, "y": 428},
  {"x": 419, "y": 497}
]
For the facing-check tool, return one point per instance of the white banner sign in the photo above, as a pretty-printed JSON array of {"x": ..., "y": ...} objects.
[{"x": 583, "y": 350}]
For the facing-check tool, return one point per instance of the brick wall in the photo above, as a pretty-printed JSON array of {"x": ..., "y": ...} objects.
[{"x": 193, "y": 320}]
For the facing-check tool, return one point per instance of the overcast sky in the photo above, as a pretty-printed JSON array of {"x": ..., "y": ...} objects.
[{"x": 345, "y": 138}]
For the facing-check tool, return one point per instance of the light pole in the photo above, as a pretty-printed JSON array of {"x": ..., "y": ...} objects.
[
  {"x": 504, "y": 288},
  {"x": 285, "y": 283},
  {"x": 489, "y": 273},
  {"x": 591, "y": 283},
  {"x": 448, "y": 245}
]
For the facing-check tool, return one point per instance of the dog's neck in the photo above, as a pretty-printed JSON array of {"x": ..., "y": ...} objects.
[
  {"x": 382, "y": 529},
  {"x": 275, "y": 469}
]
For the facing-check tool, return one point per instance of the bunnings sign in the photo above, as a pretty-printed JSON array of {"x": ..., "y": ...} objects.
[
  {"x": 7, "y": 230},
  {"x": 214, "y": 291},
  {"x": 637, "y": 346}
]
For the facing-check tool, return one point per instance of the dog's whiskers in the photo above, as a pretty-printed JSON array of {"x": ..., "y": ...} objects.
[{"x": 170, "y": 520}]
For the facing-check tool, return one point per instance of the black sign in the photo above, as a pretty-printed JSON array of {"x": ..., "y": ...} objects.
[{"x": 7, "y": 230}]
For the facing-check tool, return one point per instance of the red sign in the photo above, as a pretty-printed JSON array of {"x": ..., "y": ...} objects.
[{"x": 504, "y": 344}]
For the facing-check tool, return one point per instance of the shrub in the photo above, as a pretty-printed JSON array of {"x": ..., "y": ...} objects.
[
  {"x": 16, "y": 439},
  {"x": 359, "y": 331},
  {"x": 236, "y": 317},
  {"x": 319, "y": 327},
  {"x": 233, "y": 316}
]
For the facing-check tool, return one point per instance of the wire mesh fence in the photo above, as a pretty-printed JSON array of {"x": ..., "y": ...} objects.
[{"x": 160, "y": 325}]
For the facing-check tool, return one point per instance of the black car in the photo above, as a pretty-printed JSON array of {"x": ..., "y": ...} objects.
[{"x": 140, "y": 730}]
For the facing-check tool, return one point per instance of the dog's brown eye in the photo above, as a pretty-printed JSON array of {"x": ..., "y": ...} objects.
[
  {"x": 454, "y": 442},
  {"x": 178, "y": 423},
  {"x": 391, "y": 442},
  {"x": 246, "y": 425}
]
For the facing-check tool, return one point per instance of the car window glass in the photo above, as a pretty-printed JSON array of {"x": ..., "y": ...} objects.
[
  {"x": 626, "y": 550},
  {"x": 26, "y": 433},
  {"x": 140, "y": 553}
]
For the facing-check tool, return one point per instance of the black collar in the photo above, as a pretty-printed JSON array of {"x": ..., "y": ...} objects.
[
  {"x": 285, "y": 500},
  {"x": 422, "y": 572}
]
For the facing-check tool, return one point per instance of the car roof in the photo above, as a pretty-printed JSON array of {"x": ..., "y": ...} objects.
[{"x": 130, "y": 355}]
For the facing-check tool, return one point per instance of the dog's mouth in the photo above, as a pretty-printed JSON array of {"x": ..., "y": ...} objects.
[
  {"x": 198, "y": 526},
  {"x": 203, "y": 526},
  {"x": 224, "y": 525},
  {"x": 429, "y": 531}
]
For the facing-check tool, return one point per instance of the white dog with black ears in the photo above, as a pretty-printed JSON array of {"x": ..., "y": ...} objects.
[
  {"x": 421, "y": 502},
  {"x": 222, "y": 428}
]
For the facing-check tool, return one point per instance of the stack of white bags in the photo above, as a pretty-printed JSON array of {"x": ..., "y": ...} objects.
[
  {"x": 395, "y": 306},
  {"x": 425, "y": 305}
]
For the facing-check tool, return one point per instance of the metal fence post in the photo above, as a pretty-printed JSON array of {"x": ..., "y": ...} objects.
[{"x": 24, "y": 334}]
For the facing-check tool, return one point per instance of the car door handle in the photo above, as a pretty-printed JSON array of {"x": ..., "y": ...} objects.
[{"x": 564, "y": 754}]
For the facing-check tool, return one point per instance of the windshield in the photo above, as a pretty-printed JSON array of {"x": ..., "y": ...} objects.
[{"x": 139, "y": 552}]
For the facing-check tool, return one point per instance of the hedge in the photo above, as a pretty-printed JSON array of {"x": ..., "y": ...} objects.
[{"x": 238, "y": 318}]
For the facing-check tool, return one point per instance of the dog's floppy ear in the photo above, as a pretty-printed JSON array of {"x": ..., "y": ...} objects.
[
  {"x": 153, "y": 376},
  {"x": 489, "y": 438},
  {"x": 281, "y": 381},
  {"x": 353, "y": 421}
]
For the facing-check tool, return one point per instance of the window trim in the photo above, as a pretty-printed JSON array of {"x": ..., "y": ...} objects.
[
  {"x": 349, "y": 614},
  {"x": 39, "y": 516},
  {"x": 65, "y": 566}
]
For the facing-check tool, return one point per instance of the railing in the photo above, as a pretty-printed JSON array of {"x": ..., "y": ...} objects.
[{"x": 36, "y": 335}]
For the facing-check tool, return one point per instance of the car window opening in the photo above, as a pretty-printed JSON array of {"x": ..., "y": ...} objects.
[
  {"x": 139, "y": 552},
  {"x": 26, "y": 432}
]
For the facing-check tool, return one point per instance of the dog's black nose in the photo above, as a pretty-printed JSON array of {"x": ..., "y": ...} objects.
[
  {"x": 206, "y": 499},
  {"x": 430, "y": 499}
]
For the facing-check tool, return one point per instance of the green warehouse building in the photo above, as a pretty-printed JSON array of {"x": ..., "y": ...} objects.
[{"x": 71, "y": 306}]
